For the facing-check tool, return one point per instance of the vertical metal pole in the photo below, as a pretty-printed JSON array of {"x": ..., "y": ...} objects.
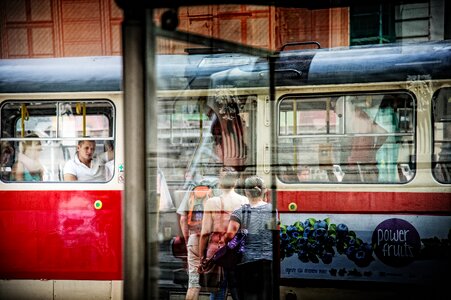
[
  {"x": 274, "y": 164},
  {"x": 134, "y": 216},
  {"x": 152, "y": 157}
]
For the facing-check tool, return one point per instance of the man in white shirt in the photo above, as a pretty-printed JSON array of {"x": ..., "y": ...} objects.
[{"x": 84, "y": 167}]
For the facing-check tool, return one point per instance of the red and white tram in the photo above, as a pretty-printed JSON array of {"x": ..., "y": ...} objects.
[{"x": 354, "y": 144}]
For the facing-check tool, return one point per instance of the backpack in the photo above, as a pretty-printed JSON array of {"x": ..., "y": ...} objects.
[
  {"x": 203, "y": 190},
  {"x": 197, "y": 199}
]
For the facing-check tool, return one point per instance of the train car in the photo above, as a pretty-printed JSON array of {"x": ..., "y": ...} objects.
[
  {"x": 64, "y": 239},
  {"x": 60, "y": 238},
  {"x": 353, "y": 143}
]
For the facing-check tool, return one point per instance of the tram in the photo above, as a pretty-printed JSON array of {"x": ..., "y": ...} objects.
[{"x": 354, "y": 145}]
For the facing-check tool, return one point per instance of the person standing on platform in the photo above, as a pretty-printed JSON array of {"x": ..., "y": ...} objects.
[{"x": 217, "y": 213}]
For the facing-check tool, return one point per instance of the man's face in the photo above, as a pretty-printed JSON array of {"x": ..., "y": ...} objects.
[{"x": 86, "y": 150}]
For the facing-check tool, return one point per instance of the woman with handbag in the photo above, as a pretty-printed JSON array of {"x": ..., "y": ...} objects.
[
  {"x": 254, "y": 273},
  {"x": 217, "y": 212}
]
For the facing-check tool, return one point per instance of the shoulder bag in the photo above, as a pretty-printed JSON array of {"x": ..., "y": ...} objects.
[
  {"x": 229, "y": 255},
  {"x": 211, "y": 276},
  {"x": 211, "y": 273}
]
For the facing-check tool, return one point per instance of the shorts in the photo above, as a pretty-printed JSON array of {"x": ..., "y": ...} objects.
[{"x": 193, "y": 261}]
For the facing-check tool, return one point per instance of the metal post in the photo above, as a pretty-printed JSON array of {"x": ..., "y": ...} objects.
[
  {"x": 152, "y": 156},
  {"x": 134, "y": 216},
  {"x": 274, "y": 164}
]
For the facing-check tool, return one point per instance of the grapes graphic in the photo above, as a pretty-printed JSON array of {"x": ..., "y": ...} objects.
[{"x": 319, "y": 240}]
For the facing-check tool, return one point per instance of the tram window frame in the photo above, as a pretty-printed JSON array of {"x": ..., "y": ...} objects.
[
  {"x": 203, "y": 162},
  {"x": 179, "y": 134},
  {"x": 441, "y": 124},
  {"x": 56, "y": 144},
  {"x": 323, "y": 154}
]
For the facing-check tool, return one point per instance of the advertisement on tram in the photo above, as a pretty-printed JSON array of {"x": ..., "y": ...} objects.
[{"x": 382, "y": 248}]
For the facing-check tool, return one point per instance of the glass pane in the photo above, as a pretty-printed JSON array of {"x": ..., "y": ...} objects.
[
  {"x": 85, "y": 119},
  {"x": 365, "y": 138},
  {"x": 27, "y": 117},
  {"x": 335, "y": 115},
  {"x": 207, "y": 122},
  {"x": 442, "y": 136},
  {"x": 37, "y": 144}
]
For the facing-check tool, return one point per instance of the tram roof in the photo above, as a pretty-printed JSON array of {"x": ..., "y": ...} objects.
[
  {"x": 363, "y": 64},
  {"x": 68, "y": 74},
  {"x": 394, "y": 62}
]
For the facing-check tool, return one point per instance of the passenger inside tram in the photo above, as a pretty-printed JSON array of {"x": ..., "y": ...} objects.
[
  {"x": 84, "y": 166},
  {"x": 6, "y": 160},
  {"x": 107, "y": 158},
  {"x": 28, "y": 166},
  {"x": 303, "y": 173}
]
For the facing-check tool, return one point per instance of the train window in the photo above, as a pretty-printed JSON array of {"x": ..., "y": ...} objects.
[
  {"x": 41, "y": 136},
  {"x": 358, "y": 138},
  {"x": 198, "y": 137},
  {"x": 441, "y": 163},
  {"x": 182, "y": 125}
]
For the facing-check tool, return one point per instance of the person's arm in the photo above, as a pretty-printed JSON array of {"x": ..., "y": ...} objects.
[
  {"x": 207, "y": 223},
  {"x": 183, "y": 221},
  {"x": 17, "y": 171},
  {"x": 70, "y": 177},
  {"x": 203, "y": 241},
  {"x": 184, "y": 227},
  {"x": 69, "y": 172},
  {"x": 232, "y": 229}
]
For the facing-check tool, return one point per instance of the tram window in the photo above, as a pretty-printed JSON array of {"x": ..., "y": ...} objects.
[
  {"x": 441, "y": 163},
  {"x": 358, "y": 138},
  {"x": 43, "y": 136},
  {"x": 182, "y": 124},
  {"x": 191, "y": 133}
]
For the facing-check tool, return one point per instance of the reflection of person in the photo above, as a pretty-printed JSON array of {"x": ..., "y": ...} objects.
[
  {"x": 254, "y": 274},
  {"x": 191, "y": 214},
  {"x": 387, "y": 155},
  {"x": 6, "y": 160},
  {"x": 28, "y": 166},
  {"x": 216, "y": 133},
  {"x": 217, "y": 212},
  {"x": 84, "y": 167},
  {"x": 362, "y": 160}
]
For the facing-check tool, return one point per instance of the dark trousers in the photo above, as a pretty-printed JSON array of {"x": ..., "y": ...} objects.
[{"x": 254, "y": 280}]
